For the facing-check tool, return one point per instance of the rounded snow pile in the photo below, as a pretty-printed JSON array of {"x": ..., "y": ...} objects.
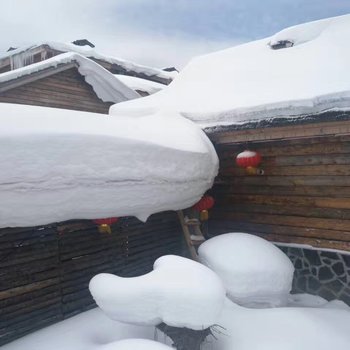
[
  {"x": 135, "y": 344},
  {"x": 254, "y": 271},
  {"x": 179, "y": 292}
]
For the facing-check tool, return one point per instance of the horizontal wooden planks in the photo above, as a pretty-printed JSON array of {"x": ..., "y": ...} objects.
[
  {"x": 66, "y": 89},
  {"x": 304, "y": 192},
  {"x": 36, "y": 289}
]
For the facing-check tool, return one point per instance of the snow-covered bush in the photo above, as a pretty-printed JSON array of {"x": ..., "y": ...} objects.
[
  {"x": 254, "y": 271},
  {"x": 179, "y": 292}
]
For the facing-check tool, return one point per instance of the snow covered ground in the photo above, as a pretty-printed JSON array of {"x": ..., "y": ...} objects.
[
  {"x": 294, "y": 328},
  {"x": 58, "y": 165},
  {"x": 254, "y": 81}
]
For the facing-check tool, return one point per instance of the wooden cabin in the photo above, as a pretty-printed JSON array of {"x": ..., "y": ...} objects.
[
  {"x": 21, "y": 57},
  {"x": 301, "y": 201},
  {"x": 68, "y": 81}
]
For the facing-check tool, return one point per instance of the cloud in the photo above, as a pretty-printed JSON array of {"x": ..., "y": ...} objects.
[{"x": 156, "y": 32}]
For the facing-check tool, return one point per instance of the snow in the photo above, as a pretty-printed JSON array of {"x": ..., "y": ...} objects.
[
  {"x": 139, "y": 84},
  {"x": 252, "y": 81},
  {"x": 302, "y": 328},
  {"x": 105, "y": 85},
  {"x": 179, "y": 292},
  {"x": 136, "y": 344},
  {"x": 60, "y": 165},
  {"x": 19, "y": 55},
  {"x": 246, "y": 154},
  {"x": 254, "y": 271},
  {"x": 285, "y": 328},
  {"x": 90, "y": 330}
]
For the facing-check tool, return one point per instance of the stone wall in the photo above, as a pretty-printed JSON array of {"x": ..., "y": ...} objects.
[{"x": 320, "y": 272}]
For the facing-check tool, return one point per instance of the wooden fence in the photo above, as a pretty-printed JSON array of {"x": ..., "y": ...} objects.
[{"x": 45, "y": 271}]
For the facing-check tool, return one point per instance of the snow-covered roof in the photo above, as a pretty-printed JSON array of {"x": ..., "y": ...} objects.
[
  {"x": 254, "y": 81},
  {"x": 105, "y": 85},
  {"x": 61, "y": 159},
  {"x": 139, "y": 84},
  {"x": 87, "y": 51}
]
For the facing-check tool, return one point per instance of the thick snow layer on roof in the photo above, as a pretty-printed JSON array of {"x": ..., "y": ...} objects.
[
  {"x": 58, "y": 165},
  {"x": 179, "y": 292},
  {"x": 255, "y": 272},
  {"x": 105, "y": 85},
  {"x": 87, "y": 51},
  {"x": 253, "y": 81},
  {"x": 139, "y": 84}
]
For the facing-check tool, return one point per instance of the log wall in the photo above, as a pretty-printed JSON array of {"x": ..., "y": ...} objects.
[
  {"x": 66, "y": 89},
  {"x": 45, "y": 271},
  {"x": 303, "y": 196}
]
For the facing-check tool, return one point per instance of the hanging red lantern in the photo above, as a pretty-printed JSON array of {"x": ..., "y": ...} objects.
[
  {"x": 104, "y": 225},
  {"x": 203, "y": 205},
  {"x": 250, "y": 160}
]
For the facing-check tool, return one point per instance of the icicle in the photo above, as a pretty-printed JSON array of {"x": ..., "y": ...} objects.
[{"x": 21, "y": 59}]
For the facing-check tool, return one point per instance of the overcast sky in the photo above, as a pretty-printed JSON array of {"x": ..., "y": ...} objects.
[{"x": 156, "y": 32}]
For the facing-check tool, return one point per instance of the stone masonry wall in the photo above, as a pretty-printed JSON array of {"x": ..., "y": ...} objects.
[{"x": 319, "y": 272}]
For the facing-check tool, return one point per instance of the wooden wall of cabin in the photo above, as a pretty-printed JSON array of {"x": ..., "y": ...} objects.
[
  {"x": 45, "y": 271},
  {"x": 67, "y": 89},
  {"x": 302, "y": 198}
]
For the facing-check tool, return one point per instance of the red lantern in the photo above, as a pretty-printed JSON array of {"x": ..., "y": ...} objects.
[
  {"x": 205, "y": 203},
  {"x": 104, "y": 225},
  {"x": 248, "y": 159}
]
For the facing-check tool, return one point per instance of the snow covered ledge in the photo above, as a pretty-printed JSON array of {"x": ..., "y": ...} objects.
[{"x": 58, "y": 165}]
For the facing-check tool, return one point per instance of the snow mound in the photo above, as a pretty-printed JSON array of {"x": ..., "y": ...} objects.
[
  {"x": 135, "y": 344},
  {"x": 254, "y": 271},
  {"x": 252, "y": 81},
  {"x": 58, "y": 165},
  {"x": 179, "y": 292}
]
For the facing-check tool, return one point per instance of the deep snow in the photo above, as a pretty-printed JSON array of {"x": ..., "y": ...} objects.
[
  {"x": 253, "y": 81},
  {"x": 58, "y": 165},
  {"x": 138, "y": 84},
  {"x": 254, "y": 271},
  {"x": 295, "y": 328},
  {"x": 179, "y": 292}
]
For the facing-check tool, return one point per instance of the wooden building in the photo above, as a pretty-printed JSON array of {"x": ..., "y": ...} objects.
[
  {"x": 21, "y": 57},
  {"x": 301, "y": 201},
  {"x": 68, "y": 81}
]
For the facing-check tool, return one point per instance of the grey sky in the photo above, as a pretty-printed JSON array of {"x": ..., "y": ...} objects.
[{"x": 156, "y": 32}]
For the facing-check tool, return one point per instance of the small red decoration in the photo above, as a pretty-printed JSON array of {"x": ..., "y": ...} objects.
[
  {"x": 205, "y": 203},
  {"x": 105, "y": 221},
  {"x": 248, "y": 159},
  {"x": 104, "y": 225}
]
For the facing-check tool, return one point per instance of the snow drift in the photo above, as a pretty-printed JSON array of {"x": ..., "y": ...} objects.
[
  {"x": 58, "y": 165},
  {"x": 254, "y": 271},
  {"x": 179, "y": 292},
  {"x": 254, "y": 81},
  {"x": 135, "y": 344}
]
